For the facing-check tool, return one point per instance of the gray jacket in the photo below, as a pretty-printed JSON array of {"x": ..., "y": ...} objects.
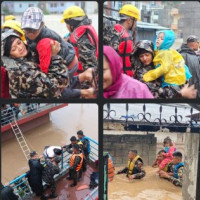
[{"x": 192, "y": 61}]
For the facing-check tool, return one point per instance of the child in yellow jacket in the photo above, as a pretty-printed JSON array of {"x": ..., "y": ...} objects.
[{"x": 169, "y": 64}]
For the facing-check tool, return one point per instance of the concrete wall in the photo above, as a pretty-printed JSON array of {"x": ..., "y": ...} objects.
[
  {"x": 119, "y": 145},
  {"x": 191, "y": 166}
]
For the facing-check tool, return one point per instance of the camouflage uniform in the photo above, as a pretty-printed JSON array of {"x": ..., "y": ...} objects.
[
  {"x": 155, "y": 87},
  {"x": 110, "y": 36},
  {"x": 138, "y": 170},
  {"x": 27, "y": 81},
  {"x": 48, "y": 175},
  {"x": 176, "y": 181},
  {"x": 86, "y": 50}
]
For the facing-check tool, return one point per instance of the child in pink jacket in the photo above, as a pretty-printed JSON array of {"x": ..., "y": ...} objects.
[{"x": 169, "y": 148}]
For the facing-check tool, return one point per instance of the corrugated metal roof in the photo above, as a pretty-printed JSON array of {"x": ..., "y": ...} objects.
[{"x": 146, "y": 25}]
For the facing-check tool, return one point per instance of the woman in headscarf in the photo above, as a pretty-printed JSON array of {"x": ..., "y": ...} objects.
[{"x": 117, "y": 85}]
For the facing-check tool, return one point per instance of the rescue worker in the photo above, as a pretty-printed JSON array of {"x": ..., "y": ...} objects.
[
  {"x": 176, "y": 174},
  {"x": 111, "y": 168},
  {"x": 76, "y": 162},
  {"x": 121, "y": 37},
  {"x": 134, "y": 168},
  {"x": 52, "y": 151},
  {"x": 35, "y": 30},
  {"x": 50, "y": 170},
  {"x": 7, "y": 193},
  {"x": 83, "y": 37},
  {"x": 35, "y": 175},
  {"x": 73, "y": 141},
  {"x": 86, "y": 146}
]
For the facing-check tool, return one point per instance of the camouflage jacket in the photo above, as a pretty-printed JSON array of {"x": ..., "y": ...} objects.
[
  {"x": 86, "y": 50},
  {"x": 49, "y": 171},
  {"x": 176, "y": 181},
  {"x": 26, "y": 80},
  {"x": 155, "y": 87},
  {"x": 140, "y": 172},
  {"x": 110, "y": 36}
]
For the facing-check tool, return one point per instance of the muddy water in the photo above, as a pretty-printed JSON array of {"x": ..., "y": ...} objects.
[
  {"x": 64, "y": 123},
  {"x": 150, "y": 187}
]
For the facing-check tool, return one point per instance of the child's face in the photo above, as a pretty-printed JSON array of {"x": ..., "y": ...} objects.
[
  {"x": 160, "y": 157},
  {"x": 166, "y": 144},
  {"x": 160, "y": 39}
]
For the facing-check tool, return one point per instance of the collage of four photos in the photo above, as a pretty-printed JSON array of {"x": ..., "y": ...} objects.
[{"x": 100, "y": 100}]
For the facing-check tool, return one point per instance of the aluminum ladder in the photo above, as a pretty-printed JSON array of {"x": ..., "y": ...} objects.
[{"x": 20, "y": 139}]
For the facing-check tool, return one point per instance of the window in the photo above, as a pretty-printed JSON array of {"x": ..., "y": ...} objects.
[
  {"x": 62, "y": 4},
  {"x": 30, "y": 5},
  {"x": 20, "y": 5}
]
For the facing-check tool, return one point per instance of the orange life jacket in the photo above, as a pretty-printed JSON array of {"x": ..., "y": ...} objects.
[
  {"x": 111, "y": 169},
  {"x": 71, "y": 162},
  {"x": 77, "y": 34},
  {"x": 125, "y": 49}
]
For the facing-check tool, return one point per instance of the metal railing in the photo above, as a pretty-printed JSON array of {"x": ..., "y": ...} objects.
[
  {"x": 22, "y": 111},
  {"x": 23, "y": 190},
  {"x": 148, "y": 121}
]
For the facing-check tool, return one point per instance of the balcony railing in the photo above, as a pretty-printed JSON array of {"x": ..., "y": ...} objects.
[{"x": 23, "y": 190}]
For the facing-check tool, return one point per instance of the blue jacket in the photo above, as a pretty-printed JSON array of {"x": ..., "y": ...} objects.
[
  {"x": 88, "y": 147},
  {"x": 176, "y": 167}
]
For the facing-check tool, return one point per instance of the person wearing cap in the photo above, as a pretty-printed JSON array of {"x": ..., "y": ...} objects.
[
  {"x": 50, "y": 170},
  {"x": 35, "y": 175},
  {"x": 26, "y": 80},
  {"x": 36, "y": 32},
  {"x": 75, "y": 163},
  {"x": 142, "y": 58},
  {"x": 187, "y": 50},
  {"x": 83, "y": 37},
  {"x": 122, "y": 36}
]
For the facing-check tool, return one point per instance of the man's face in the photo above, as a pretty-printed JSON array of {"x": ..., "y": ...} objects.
[
  {"x": 193, "y": 45},
  {"x": 130, "y": 155},
  {"x": 79, "y": 136},
  {"x": 69, "y": 28},
  {"x": 131, "y": 24},
  {"x": 35, "y": 156},
  {"x": 74, "y": 142},
  {"x": 32, "y": 34}
]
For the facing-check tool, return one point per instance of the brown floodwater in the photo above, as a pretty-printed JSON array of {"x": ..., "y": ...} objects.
[
  {"x": 63, "y": 124},
  {"x": 150, "y": 187}
]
